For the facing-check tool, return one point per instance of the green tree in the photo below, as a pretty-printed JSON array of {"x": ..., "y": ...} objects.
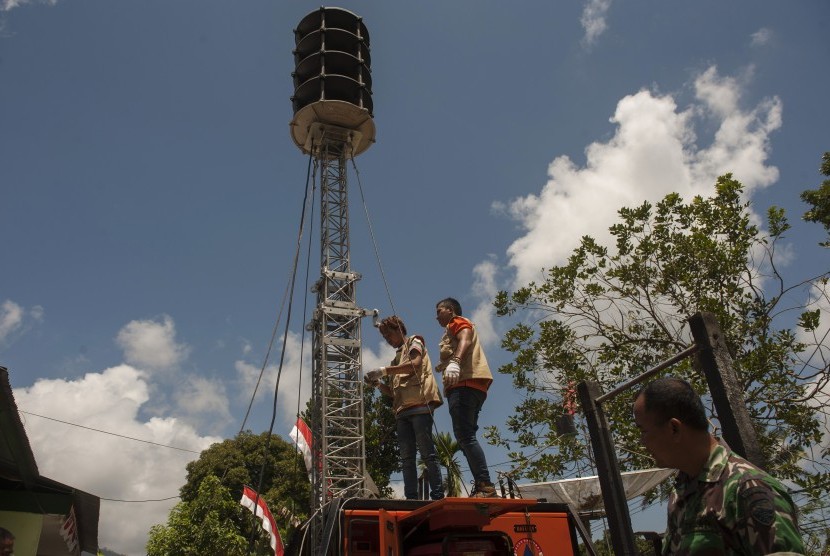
[
  {"x": 206, "y": 524},
  {"x": 238, "y": 462},
  {"x": 210, "y": 513},
  {"x": 611, "y": 313},
  {"x": 447, "y": 448},
  {"x": 820, "y": 200},
  {"x": 381, "y": 434}
]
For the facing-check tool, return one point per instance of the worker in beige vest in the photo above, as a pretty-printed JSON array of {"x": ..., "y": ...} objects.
[
  {"x": 415, "y": 395},
  {"x": 466, "y": 377}
]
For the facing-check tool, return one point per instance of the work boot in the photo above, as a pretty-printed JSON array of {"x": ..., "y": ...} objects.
[{"x": 483, "y": 489}]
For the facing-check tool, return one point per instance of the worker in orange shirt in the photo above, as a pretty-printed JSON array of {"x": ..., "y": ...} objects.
[{"x": 466, "y": 377}]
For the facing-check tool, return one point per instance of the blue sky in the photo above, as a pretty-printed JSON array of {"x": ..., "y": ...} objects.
[{"x": 150, "y": 192}]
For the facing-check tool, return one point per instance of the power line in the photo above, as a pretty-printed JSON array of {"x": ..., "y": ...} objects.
[
  {"x": 139, "y": 501},
  {"x": 110, "y": 433}
]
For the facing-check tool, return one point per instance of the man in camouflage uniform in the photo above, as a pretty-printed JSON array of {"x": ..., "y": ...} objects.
[{"x": 722, "y": 504}]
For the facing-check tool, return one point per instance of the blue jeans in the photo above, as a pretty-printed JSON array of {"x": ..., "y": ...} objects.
[
  {"x": 465, "y": 404},
  {"x": 416, "y": 430}
]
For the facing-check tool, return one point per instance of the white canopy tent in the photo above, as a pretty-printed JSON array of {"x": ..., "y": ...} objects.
[{"x": 584, "y": 494}]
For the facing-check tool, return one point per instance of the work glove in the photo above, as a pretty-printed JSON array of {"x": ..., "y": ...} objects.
[
  {"x": 372, "y": 378},
  {"x": 451, "y": 373}
]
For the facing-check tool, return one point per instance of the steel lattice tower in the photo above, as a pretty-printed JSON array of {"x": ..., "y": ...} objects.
[
  {"x": 338, "y": 388},
  {"x": 333, "y": 123}
]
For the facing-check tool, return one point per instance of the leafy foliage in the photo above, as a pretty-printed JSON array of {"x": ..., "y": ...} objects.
[
  {"x": 820, "y": 200},
  {"x": 447, "y": 447},
  {"x": 381, "y": 434},
  {"x": 611, "y": 313},
  {"x": 210, "y": 520},
  {"x": 238, "y": 462},
  {"x": 206, "y": 524}
]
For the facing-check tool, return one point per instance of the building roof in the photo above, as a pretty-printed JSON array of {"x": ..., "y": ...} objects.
[{"x": 25, "y": 490}]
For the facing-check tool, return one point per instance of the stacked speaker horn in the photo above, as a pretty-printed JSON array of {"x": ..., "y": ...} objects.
[{"x": 332, "y": 79}]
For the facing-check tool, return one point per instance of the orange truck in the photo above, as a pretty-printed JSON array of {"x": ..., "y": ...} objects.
[{"x": 457, "y": 527}]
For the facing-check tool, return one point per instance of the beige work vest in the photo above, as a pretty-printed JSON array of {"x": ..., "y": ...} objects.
[
  {"x": 473, "y": 364},
  {"x": 417, "y": 388}
]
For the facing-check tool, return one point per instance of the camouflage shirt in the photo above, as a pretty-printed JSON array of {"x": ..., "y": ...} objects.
[{"x": 732, "y": 507}]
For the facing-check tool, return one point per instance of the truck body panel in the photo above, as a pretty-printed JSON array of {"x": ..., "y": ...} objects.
[{"x": 454, "y": 527}]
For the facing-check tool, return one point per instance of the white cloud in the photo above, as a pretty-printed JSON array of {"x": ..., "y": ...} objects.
[
  {"x": 16, "y": 320},
  {"x": 651, "y": 154},
  {"x": 106, "y": 465},
  {"x": 37, "y": 313},
  {"x": 167, "y": 408},
  {"x": 247, "y": 347},
  {"x": 11, "y": 318},
  {"x": 761, "y": 37},
  {"x": 248, "y": 374},
  {"x": 593, "y": 20},
  {"x": 199, "y": 397},
  {"x": 741, "y": 143},
  {"x": 290, "y": 380},
  {"x": 199, "y": 400},
  {"x": 152, "y": 345},
  {"x": 485, "y": 290},
  {"x": 7, "y": 5}
]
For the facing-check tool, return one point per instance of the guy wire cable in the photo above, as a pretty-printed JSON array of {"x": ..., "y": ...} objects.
[
  {"x": 282, "y": 354},
  {"x": 388, "y": 293},
  {"x": 383, "y": 278},
  {"x": 279, "y": 315},
  {"x": 267, "y": 355},
  {"x": 305, "y": 302},
  {"x": 372, "y": 236},
  {"x": 285, "y": 336}
]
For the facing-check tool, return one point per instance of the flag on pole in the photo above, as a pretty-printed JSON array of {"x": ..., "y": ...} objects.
[
  {"x": 255, "y": 503},
  {"x": 301, "y": 435}
]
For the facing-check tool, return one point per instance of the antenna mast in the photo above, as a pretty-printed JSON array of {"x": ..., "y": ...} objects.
[{"x": 333, "y": 122}]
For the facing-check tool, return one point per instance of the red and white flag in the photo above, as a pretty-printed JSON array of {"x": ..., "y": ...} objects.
[
  {"x": 301, "y": 435},
  {"x": 255, "y": 503},
  {"x": 69, "y": 531}
]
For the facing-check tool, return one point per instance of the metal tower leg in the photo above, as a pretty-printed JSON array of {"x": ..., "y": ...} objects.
[{"x": 337, "y": 385}]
